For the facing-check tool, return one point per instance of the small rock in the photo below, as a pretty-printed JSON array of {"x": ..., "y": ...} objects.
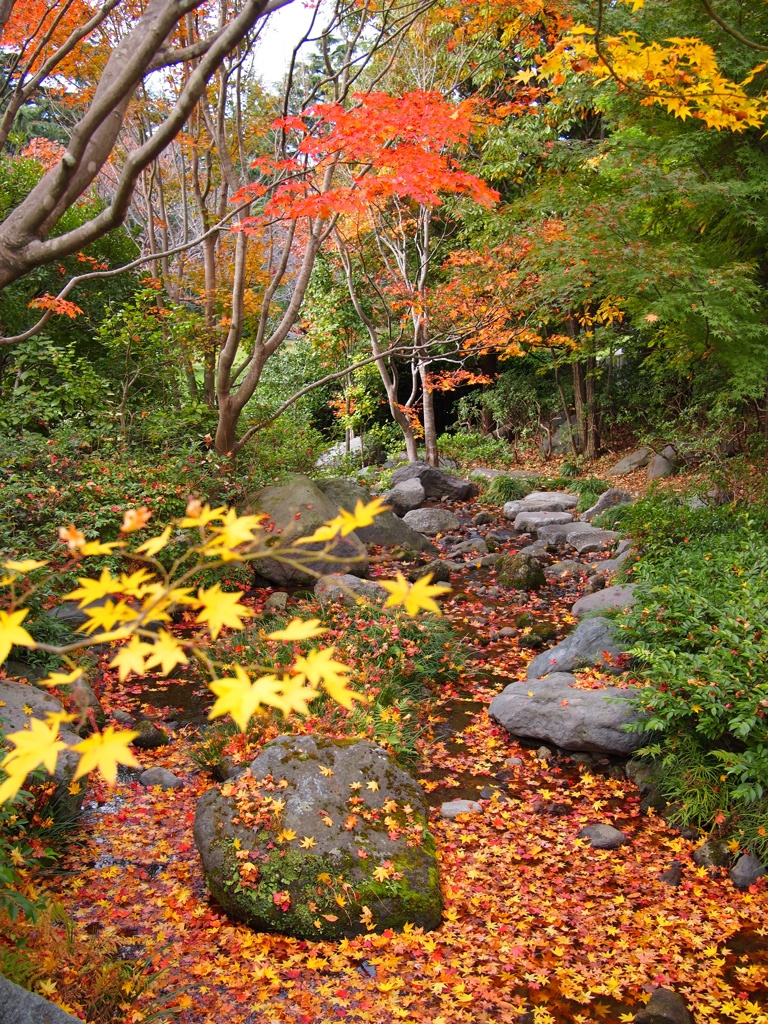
[
  {"x": 746, "y": 871},
  {"x": 348, "y": 589},
  {"x": 431, "y": 521},
  {"x": 507, "y": 631},
  {"x": 276, "y": 602},
  {"x": 150, "y": 735},
  {"x": 439, "y": 569},
  {"x": 491, "y": 792},
  {"x": 513, "y": 762},
  {"x": 664, "y": 1007},
  {"x": 482, "y": 519},
  {"x": 603, "y": 837},
  {"x": 160, "y": 777},
  {"x": 659, "y": 467},
  {"x": 405, "y": 497},
  {"x": 520, "y": 572},
  {"x": 673, "y": 874},
  {"x": 558, "y": 810},
  {"x": 122, "y": 717},
  {"x": 466, "y": 547},
  {"x": 608, "y": 499},
  {"x": 631, "y": 462},
  {"x": 452, "y": 808},
  {"x": 712, "y": 854},
  {"x": 436, "y": 482},
  {"x": 544, "y": 754},
  {"x": 568, "y": 567}
]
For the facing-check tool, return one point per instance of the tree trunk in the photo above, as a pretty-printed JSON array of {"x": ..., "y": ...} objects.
[
  {"x": 590, "y": 409},
  {"x": 428, "y": 404}
]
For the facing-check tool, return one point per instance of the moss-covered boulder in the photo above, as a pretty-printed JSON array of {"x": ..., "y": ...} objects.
[
  {"x": 320, "y": 839},
  {"x": 520, "y": 572}
]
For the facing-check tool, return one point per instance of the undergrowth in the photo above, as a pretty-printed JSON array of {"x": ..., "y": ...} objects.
[{"x": 699, "y": 633}]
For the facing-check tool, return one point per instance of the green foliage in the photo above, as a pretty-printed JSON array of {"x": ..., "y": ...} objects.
[
  {"x": 470, "y": 448},
  {"x": 698, "y": 633},
  {"x": 507, "y": 488}
]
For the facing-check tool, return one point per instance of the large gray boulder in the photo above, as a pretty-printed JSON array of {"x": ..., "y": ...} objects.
[
  {"x": 406, "y": 496},
  {"x": 19, "y": 1006},
  {"x": 431, "y": 521},
  {"x": 746, "y": 871},
  {"x": 337, "y": 454},
  {"x": 632, "y": 462},
  {"x": 532, "y": 522},
  {"x": 363, "y": 812},
  {"x": 620, "y": 596},
  {"x": 608, "y": 499},
  {"x": 553, "y": 711},
  {"x": 436, "y": 482},
  {"x": 15, "y": 698},
  {"x": 387, "y": 530},
  {"x": 297, "y": 507},
  {"x": 592, "y": 644}
]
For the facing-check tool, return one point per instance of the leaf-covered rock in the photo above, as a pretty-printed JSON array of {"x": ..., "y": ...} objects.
[{"x": 320, "y": 839}]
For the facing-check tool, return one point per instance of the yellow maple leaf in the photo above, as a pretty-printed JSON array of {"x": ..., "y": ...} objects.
[
  {"x": 105, "y": 751},
  {"x": 200, "y": 515},
  {"x": 414, "y": 596},
  {"x": 12, "y": 632},
  {"x": 286, "y": 836},
  {"x": 325, "y": 532},
  {"x": 91, "y": 590},
  {"x": 166, "y": 652},
  {"x": 294, "y": 695},
  {"x": 324, "y": 770},
  {"x": 151, "y": 547},
  {"x": 220, "y": 609},
  {"x": 26, "y": 565},
  {"x": 321, "y": 667},
  {"x": 363, "y": 515},
  {"x": 372, "y": 785},
  {"x": 96, "y": 547},
  {"x": 38, "y": 745},
  {"x": 235, "y": 530},
  {"x": 298, "y": 629},
  {"x": 307, "y": 842},
  {"x": 131, "y": 658},
  {"x": 382, "y": 873},
  {"x": 108, "y": 615},
  {"x": 240, "y": 698},
  {"x": 61, "y": 678}
]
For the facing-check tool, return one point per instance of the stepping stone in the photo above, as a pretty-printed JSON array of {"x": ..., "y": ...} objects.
[
  {"x": 664, "y": 1007},
  {"x": 608, "y": 499},
  {"x": 531, "y": 522},
  {"x": 551, "y": 709},
  {"x": 620, "y": 596},
  {"x": 595, "y": 540},
  {"x": 557, "y": 533}
]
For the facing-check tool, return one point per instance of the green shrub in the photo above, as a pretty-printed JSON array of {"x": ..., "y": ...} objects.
[
  {"x": 469, "y": 448},
  {"x": 699, "y": 634},
  {"x": 507, "y": 488}
]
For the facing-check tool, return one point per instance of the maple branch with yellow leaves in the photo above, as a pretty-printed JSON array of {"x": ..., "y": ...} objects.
[{"x": 132, "y": 609}]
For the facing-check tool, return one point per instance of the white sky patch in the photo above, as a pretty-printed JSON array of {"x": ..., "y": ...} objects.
[{"x": 284, "y": 30}]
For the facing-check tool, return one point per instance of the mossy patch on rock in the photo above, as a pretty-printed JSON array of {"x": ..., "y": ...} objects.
[
  {"x": 320, "y": 839},
  {"x": 520, "y": 572}
]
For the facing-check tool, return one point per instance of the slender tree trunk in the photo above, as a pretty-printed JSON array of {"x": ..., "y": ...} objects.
[
  {"x": 428, "y": 406},
  {"x": 577, "y": 369},
  {"x": 590, "y": 408}
]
